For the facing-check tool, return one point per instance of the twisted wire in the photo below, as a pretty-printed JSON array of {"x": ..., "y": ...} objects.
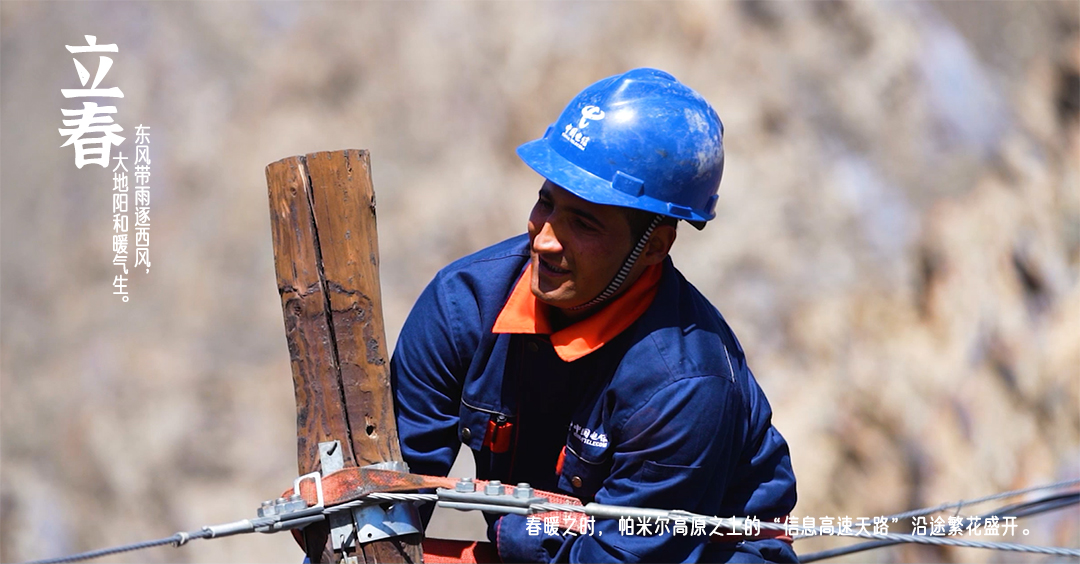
[
  {"x": 181, "y": 538},
  {"x": 376, "y": 496},
  {"x": 175, "y": 540},
  {"x": 1042, "y": 505},
  {"x": 962, "y": 503},
  {"x": 814, "y": 531}
]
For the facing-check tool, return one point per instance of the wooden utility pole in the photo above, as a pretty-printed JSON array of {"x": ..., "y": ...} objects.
[{"x": 326, "y": 255}]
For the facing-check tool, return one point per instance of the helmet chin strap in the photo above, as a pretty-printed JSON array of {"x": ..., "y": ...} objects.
[{"x": 624, "y": 271}]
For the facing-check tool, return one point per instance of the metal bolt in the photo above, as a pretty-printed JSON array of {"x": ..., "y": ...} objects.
[
  {"x": 296, "y": 497},
  {"x": 280, "y": 501},
  {"x": 494, "y": 487},
  {"x": 465, "y": 485},
  {"x": 523, "y": 491}
]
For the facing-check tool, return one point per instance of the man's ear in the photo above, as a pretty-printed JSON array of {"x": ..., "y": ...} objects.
[{"x": 660, "y": 242}]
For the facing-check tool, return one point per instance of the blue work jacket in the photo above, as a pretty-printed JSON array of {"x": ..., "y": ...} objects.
[{"x": 667, "y": 415}]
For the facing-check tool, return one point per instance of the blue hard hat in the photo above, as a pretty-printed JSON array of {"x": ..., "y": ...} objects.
[{"x": 640, "y": 140}]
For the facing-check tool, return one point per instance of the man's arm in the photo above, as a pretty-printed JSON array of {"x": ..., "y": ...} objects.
[
  {"x": 425, "y": 375},
  {"x": 680, "y": 450}
]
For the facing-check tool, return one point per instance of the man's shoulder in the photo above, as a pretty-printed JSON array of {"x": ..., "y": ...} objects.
[
  {"x": 680, "y": 347},
  {"x": 684, "y": 336},
  {"x": 478, "y": 285},
  {"x": 508, "y": 254}
]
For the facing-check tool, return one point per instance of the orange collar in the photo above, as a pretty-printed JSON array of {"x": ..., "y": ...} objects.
[{"x": 525, "y": 314}]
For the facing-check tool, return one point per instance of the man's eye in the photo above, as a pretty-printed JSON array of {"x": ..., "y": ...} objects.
[{"x": 585, "y": 225}]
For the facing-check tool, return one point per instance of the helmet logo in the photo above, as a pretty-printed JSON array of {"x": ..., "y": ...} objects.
[
  {"x": 587, "y": 113},
  {"x": 574, "y": 134}
]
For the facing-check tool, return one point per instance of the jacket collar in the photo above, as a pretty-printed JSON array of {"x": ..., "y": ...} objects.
[{"x": 524, "y": 314}]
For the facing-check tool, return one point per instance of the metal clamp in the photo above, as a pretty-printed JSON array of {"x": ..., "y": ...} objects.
[
  {"x": 283, "y": 513},
  {"x": 370, "y": 521},
  {"x": 318, "y": 487},
  {"x": 376, "y": 522},
  {"x": 342, "y": 528},
  {"x": 282, "y": 506},
  {"x": 495, "y": 497}
]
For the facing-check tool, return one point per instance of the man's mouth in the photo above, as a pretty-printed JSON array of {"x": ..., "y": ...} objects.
[{"x": 551, "y": 269}]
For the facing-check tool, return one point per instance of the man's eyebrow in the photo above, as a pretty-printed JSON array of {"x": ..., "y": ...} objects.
[
  {"x": 582, "y": 213},
  {"x": 546, "y": 192}
]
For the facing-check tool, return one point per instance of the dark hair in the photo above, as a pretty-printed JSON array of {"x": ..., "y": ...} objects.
[{"x": 641, "y": 220}]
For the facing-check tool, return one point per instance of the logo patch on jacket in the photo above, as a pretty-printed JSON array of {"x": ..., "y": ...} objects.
[{"x": 588, "y": 436}]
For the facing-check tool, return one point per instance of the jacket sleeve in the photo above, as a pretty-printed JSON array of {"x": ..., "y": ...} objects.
[
  {"x": 679, "y": 450},
  {"x": 425, "y": 374}
]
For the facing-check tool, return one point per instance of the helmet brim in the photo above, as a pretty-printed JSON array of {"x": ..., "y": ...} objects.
[{"x": 548, "y": 163}]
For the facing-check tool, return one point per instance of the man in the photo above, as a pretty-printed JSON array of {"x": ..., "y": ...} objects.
[{"x": 578, "y": 359}]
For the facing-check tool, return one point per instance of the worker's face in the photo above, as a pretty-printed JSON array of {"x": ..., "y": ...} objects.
[{"x": 577, "y": 247}]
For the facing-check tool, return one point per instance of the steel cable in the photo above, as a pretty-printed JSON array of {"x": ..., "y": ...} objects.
[
  {"x": 1016, "y": 510},
  {"x": 366, "y": 500},
  {"x": 890, "y": 537},
  {"x": 607, "y": 511},
  {"x": 962, "y": 503},
  {"x": 176, "y": 540}
]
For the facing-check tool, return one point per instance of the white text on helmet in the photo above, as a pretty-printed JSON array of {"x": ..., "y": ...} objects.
[{"x": 574, "y": 134}]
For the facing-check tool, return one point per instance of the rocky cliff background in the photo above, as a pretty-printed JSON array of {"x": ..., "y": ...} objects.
[{"x": 897, "y": 242}]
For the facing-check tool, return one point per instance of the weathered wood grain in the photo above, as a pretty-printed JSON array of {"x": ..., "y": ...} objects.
[
  {"x": 322, "y": 210},
  {"x": 320, "y": 414},
  {"x": 345, "y": 216}
]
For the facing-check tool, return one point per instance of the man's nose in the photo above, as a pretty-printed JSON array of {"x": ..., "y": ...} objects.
[{"x": 546, "y": 241}]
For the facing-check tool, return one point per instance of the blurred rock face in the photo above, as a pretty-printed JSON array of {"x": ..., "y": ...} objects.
[{"x": 897, "y": 242}]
